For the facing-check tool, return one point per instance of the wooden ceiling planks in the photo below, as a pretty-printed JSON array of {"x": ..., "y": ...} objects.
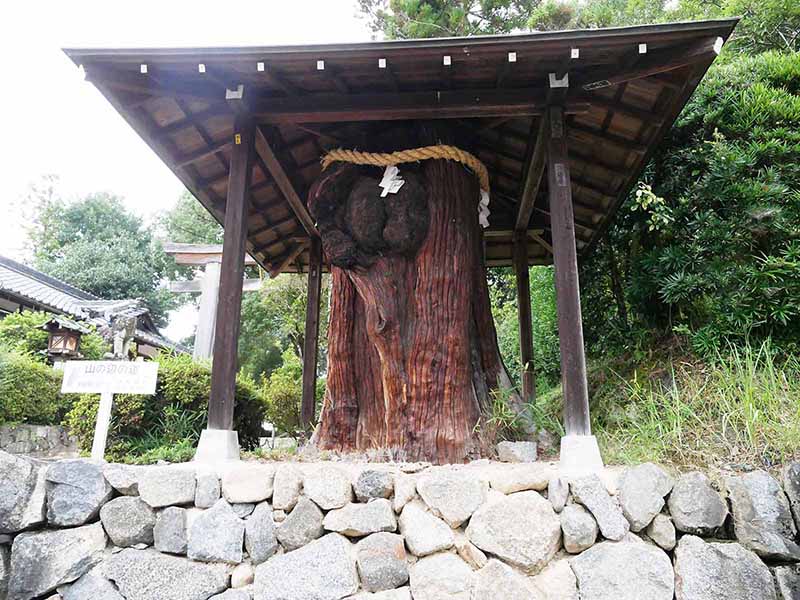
[{"x": 621, "y": 102}]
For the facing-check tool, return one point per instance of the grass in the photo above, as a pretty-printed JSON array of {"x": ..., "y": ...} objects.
[{"x": 740, "y": 410}]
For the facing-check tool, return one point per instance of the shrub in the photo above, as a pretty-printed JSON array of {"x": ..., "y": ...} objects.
[
  {"x": 283, "y": 394},
  {"x": 167, "y": 424},
  {"x": 22, "y": 331},
  {"x": 30, "y": 390},
  {"x": 709, "y": 247},
  {"x": 546, "y": 359}
]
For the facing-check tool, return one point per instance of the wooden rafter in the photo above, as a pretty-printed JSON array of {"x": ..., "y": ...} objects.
[
  {"x": 266, "y": 153},
  {"x": 182, "y": 161},
  {"x": 280, "y": 263},
  {"x": 617, "y": 142},
  {"x": 325, "y": 108},
  {"x": 533, "y": 179},
  {"x": 147, "y": 84},
  {"x": 659, "y": 62}
]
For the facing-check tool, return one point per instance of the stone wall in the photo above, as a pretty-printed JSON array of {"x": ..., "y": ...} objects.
[
  {"x": 42, "y": 441},
  {"x": 77, "y": 530}
]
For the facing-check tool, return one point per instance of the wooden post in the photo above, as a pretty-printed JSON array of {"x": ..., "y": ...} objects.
[
  {"x": 311, "y": 340},
  {"x": 524, "y": 308},
  {"x": 229, "y": 307},
  {"x": 568, "y": 299},
  {"x": 101, "y": 427}
]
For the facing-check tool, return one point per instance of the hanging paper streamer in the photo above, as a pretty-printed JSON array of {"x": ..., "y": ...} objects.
[
  {"x": 391, "y": 182},
  {"x": 483, "y": 209}
]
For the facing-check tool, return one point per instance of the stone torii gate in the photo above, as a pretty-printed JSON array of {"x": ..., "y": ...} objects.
[{"x": 208, "y": 256}]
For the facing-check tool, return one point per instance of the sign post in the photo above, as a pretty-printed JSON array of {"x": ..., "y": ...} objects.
[{"x": 107, "y": 377}]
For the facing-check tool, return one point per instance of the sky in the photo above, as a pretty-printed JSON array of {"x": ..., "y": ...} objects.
[{"x": 54, "y": 123}]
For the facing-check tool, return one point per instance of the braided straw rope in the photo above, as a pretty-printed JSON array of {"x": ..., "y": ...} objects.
[{"x": 385, "y": 159}]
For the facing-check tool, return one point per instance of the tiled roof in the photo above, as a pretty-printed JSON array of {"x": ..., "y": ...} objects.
[{"x": 53, "y": 295}]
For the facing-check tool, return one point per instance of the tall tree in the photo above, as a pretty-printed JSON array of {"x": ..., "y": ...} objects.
[
  {"x": 98, "y": 245},
  {"x": 188, "y": 222},
  {"x": 400, "y": 19}
]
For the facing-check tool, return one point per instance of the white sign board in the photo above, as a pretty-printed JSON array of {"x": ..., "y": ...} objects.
[
  {"x": 115, "y": 376},
  {"x": 107, "y": 377}
]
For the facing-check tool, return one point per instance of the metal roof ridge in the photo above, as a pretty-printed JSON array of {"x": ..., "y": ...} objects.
[{"x": 76, "y": 52}]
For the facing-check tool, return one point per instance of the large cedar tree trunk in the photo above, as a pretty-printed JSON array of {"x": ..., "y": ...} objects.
[{"x": 412, "y": 347}]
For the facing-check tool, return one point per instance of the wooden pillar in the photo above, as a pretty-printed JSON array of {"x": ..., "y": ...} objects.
[
  {"x": 568, "y": 300},
  {"x": 229, "y": 306},
  {"x": 524, "y": 307},
  {"x": 311, "y": 340}
]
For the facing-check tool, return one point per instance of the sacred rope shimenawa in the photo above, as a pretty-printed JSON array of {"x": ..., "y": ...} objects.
[{"x": 387, "y": 159}]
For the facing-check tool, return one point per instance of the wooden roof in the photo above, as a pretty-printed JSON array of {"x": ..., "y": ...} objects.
[{"x": 626, "y": 87}]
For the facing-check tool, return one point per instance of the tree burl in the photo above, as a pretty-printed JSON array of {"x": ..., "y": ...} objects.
[{"x": 413, "y": 359}]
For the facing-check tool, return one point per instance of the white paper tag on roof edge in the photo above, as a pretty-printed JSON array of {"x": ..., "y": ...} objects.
[{"x": 391, "y": 182}]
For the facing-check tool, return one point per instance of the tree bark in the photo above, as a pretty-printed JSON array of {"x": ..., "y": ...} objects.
[{"x": 412, "y": 349}]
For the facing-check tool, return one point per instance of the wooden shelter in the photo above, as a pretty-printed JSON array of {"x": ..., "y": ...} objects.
[{"x": 564, "y": 121}]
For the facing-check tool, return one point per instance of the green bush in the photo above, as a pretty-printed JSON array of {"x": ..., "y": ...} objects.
[
  {"x": 22, "y": 331},
  {"x": 283, "y": 394},
  {"x": 546, "y": 359},
  {"x": 167, "y": 425},
  {"x": 30, "y": 390},
  {"x": 710, "y": 247}
]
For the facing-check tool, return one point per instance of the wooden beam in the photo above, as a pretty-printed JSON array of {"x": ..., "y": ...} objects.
[
  {"x": 284, "y": 260},
  {"x": 311, "y": 339},
  {"x": 520, "y": 254},
  {"x": 659, "y": 62},
  {"x": 266, "y": 153},
  {"x": 182, "y": 161},
  {"x": 192, "y": 119},
  {"x": 621, "y": 109},
  {"x": 141, "y": 83},
  {"x": 609, "y": 138},
  {"x": 272, "y": 225},
  {"x": 568, "y": 301},
  {"x": 542, "y": 242},
  {"x": 533, "y": 180},
  {"x": 276, "y": 79},
  {"x": 229, "y": 307},
  {"x": 328, "y": 108}
]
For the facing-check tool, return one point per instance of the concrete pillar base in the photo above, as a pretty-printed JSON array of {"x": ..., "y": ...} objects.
[
  {"x": 217, "y": 445},
  {"x": 580, "y": 455}
]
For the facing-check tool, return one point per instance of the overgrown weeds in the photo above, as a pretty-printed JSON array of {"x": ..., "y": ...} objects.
[{"x": 739, "y": 410}]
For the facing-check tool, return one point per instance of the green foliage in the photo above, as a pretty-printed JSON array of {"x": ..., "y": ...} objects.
[
  {"x": 190, "y": 223},
  {"x": 740, "y": 408},
  {"x": 22, "y": 332},
  {"x": 544, "y": 321},
  {"x": 273, "y": 319},
  {"x": 96, "y": 244},
  {"x": 401, "y": 19},
  {"x": 283, "y": 394},
  {"x": 30, "y": 390},
  {"x": 167, "y": 425},
  {"x": 765, "y": 25},
  {"x": 712, "y": 249}
]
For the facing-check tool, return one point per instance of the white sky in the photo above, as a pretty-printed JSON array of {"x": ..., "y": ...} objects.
[{"x": 53, "y": 122}]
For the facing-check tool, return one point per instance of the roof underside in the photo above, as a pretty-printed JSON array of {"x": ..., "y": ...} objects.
[{"x": 622, "y": 97}]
